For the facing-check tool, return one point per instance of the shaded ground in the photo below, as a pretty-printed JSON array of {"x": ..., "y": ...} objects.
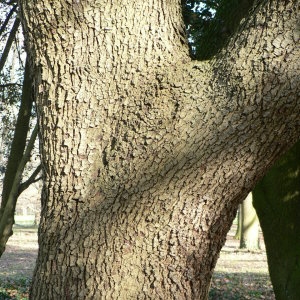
[
  {"x": 17, "y": 264},
  {"x": 239, "y": 275}
]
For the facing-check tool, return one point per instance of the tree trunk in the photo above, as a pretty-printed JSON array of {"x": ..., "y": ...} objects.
[
  {"x": 16, "y": 163},
  {"x": 249, "y": 225},
  {"x": 277, "y": 202},
  {"x": 239, "y": 224},
  {"x": 146, "y": 153}
]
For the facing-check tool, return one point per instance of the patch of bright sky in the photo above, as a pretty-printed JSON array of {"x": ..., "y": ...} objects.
[
  {"x": 201, "y": 6},
  {"x": 17, "y": 55}
]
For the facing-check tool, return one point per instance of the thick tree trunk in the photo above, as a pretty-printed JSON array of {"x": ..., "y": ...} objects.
[
  {"x": 277, "y": 201},
  {"x": 147, "y": 154},
  {"x": 249, "y": 225}
]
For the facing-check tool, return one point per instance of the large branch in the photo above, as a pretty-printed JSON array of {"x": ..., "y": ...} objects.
[
  {"x": 254, "y": 91},
  {"x": 258, "y": 75}
]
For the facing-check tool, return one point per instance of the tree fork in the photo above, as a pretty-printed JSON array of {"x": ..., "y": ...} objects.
[{"x": 146, "y": 151}]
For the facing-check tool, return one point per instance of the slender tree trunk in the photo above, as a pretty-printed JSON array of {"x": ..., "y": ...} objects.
[
  {"x": 277, "y": 201},
  {"x": 14, "y": 170},
  {"x": 249, "y": 225},
  {"x": 147, "y": 154},
  {"x": 239, "y": 224}
]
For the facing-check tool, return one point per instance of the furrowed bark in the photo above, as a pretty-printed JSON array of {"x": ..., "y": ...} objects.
[{"x": 145, "y": 151}]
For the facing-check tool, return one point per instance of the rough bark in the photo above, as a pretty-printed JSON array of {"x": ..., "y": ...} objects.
[
  {"x": 249, "y": 225},
  {"x": 277, "y": 201},
  {"x": 146, "y": 153}
]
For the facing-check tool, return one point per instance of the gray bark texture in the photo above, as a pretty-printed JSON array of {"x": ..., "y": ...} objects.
[{"x": 146, "y": 154}]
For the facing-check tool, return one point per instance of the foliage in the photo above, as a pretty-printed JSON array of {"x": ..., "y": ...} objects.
[
  {"x": 15, "y": 96},
  {"x": 16, "y": 289},
  {"x": 11, "y": 77},
  {"x": 210, "y": 23}
]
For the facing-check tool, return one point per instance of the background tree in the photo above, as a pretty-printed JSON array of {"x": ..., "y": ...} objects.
[
  {"x": 247, "y": 230},
  {"x": 277, "y": 202},
  {"x": 16, "y": 141},
  {"x": 145, "y": 151},
  {"x": 249, "y": 225},
  {"x": 239, "y": 224},
  {"x": 10, "y": 86}
]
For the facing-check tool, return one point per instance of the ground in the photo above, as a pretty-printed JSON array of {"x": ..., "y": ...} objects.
[{"x": 238, "y": 275}]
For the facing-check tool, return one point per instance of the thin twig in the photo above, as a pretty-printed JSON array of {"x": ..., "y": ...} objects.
[
  {"x": 10, "y": 84},
  {"x": 9, "y": 43},
  {"x": 8, "y": 18},
  {"x": 19, "y": 53},
  {"x": 23, "y": 186},
  {"x": 9, "y": 2}
]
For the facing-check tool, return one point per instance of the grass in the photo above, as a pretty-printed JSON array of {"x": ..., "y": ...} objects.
[
  {"x": 240, "y": 286},
  {"x": 14, "y": 288},
  {"x": 17, "y": 263},
  {"x": 239, "y": 274}
]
